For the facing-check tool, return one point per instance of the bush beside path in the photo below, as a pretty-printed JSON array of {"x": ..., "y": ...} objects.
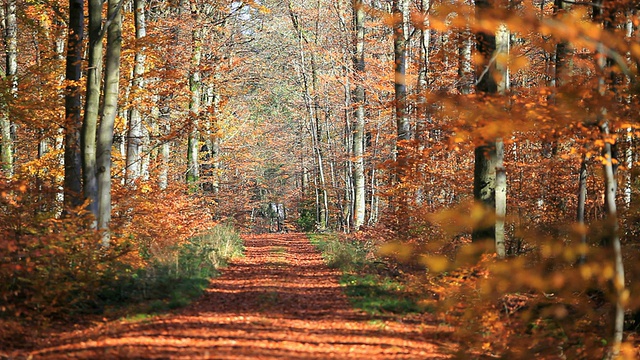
[{"x": 280, "y": 301}]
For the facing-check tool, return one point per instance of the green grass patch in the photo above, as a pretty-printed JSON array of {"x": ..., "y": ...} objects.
[
  {"x": 378, "y": 295},
  {"x": 174, "y": 280},
  {"x": 367, "y": 287}
]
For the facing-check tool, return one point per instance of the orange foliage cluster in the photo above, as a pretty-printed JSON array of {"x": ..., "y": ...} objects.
[{"x": 53, "y": 265}]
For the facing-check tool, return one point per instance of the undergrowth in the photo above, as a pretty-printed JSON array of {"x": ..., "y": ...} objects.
[
  {"x": 369, "y": 282},
  {"x": 174, "y": 279}
]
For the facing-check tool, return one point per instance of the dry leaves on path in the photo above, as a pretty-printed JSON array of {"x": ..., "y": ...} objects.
[{"x": 278, "y": 302}]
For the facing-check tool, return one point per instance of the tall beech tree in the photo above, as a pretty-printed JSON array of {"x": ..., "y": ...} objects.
[
  {"x": 108, "y": 115},
  {"x": 92, "y": 106}
]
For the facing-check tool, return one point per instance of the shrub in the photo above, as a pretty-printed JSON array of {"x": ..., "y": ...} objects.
[
  {"x": 342, "y": 254},
  {"x": 50, "y": 265},
  {"x": 306, "y": 220}
]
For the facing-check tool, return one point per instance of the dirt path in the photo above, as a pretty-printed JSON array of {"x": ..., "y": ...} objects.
[{"x": 279, "y": 302}]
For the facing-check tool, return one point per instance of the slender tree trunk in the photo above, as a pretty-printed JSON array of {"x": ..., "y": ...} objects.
[
  {"x": 11, "y": 69},
  {"x": 135, "y": 135},
  {"x": 195, "y": 84},
  {"x": 582, "y": 200},
  {"x": 502, "y": 69},
  {"x": 489, "y": 183},
  {"x": 323, "y": 141},
  {"x": 216, "y": 143},
  {"x": 610, "y": 187},
  {"x": 484, "y": 174},
  {"x": 165, "y": 151},
  {"x": 465, "y": 72},
  {"x": 403, "y": 127},
  {"x": 400, "y": 83},
  {"x": 73, "y": 106},
  {"x": 423, "y": 115},
  {"x": 312, "y": 104},
  {"x": 618, "y": 281},
  {"x": 92, "y": 107},
  {"x": 358, "y": 132},
  {"x": 109, "y": 112}
]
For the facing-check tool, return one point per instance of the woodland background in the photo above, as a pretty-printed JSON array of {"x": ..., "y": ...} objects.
[{"x": 487, "y": 149}]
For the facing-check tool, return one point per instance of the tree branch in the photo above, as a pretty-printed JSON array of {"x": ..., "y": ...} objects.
[{"x": 110, "y": 19}]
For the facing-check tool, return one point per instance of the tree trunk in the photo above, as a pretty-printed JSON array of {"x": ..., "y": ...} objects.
[
  {"x": 165, "y": 151},
  {"x": 358, "y": 132},
  {"x": 400, "y": 83},
  {"x": 484, "y": 174},
  {"x": 403, "y": 127},
  {"x": 195, "y": 84},
  {"x": 465, "y": 72},
  {"x": 135, "y": 135},
  {"x": 484, "y": 186},
  {"x": 490, "y": 182},
  {"x": 612, "y": 239},
  {"x": 92, "y": 107},
  {"x": 311, "y": 102},
  {"x": 109, "y": 112},
  {"x": 582, "y": 200},
  {"x": 11, "y": 69},
  {"x": 73, "y": 106}
]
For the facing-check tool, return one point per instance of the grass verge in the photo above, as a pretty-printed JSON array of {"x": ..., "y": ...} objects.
[
  {"x": 367, "y": 280},
  {"x": 174, "y": 279}
]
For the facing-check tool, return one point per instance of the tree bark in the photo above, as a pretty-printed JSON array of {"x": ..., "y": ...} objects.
[
  {"x": 400, "y": 83},
  {"x": 73, "y": 106},
  {"x": 490, "y": 181},
  {"x": 358, "y": 132},
  {"x": 165, "y": 152},
  {"x": 403, "y": 127},
  {"x": 582, "y": 200},
  {"x": 195, "y": 85},
  {"x": 136, "y": 133},
  {"x": 109, "y": 112},
  {"x": 92, "y": 107},
  {"x": 484, "y": 174},
  {"x": 11, "y": 69}
]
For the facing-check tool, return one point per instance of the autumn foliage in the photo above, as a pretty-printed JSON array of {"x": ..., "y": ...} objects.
[{"x": 487, "y": 149}]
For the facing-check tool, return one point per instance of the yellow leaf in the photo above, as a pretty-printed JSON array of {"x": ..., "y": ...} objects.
[{"x": 435, "y": 263}]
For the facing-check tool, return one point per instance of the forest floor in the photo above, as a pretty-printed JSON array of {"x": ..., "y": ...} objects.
[{"x": 280, "y": 301}]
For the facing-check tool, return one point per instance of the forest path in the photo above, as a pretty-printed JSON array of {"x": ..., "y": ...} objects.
[{"x": 278, "y": 302}]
